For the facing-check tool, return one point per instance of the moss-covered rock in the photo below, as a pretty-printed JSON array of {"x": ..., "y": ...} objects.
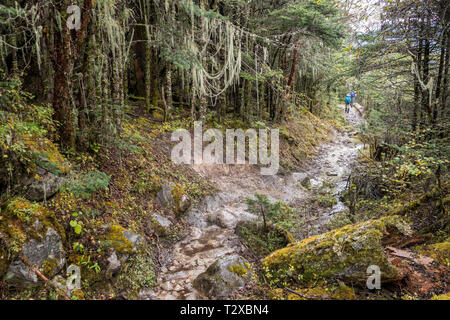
[
  {"x": 440, "y": 252},
  {"x": 33, "y": 231},
  {"x": 47, "y": 167},
  {"x": 159, "y": 224},
  {"x": 123, "y": 241},
  {"x": 48, "y": 155},
  {"x": 181, "y": 201},
  {"x": 342, "y": 253},
  {"x": 173, "y": 196},
  {"x": 224, "y": 276}
]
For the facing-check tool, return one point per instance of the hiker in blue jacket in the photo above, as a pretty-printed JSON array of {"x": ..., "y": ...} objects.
[
  {"x": 348, "y": 101},
  {"x": 352, "y": 95}
]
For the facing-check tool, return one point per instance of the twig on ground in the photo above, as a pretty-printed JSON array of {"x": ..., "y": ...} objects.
[
  {"x": 299, "y": 294},
  {"x": 39, "y": 274}
]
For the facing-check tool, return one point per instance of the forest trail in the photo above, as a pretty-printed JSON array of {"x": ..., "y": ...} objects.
[{"x": 211, "y": 232}]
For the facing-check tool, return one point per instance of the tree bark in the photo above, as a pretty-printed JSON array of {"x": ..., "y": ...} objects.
[{"x": 66, "y": 50}]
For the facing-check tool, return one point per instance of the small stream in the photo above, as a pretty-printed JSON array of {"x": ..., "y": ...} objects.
[{"x": 211, "y": 224}]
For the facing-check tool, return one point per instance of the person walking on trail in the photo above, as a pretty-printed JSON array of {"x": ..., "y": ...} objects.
[
  {"x": 348, "y": 101},
  {"x": 352, "y": 95}
]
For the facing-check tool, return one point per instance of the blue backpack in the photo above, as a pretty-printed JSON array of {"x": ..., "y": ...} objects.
[{"x": 348, "y": 99}]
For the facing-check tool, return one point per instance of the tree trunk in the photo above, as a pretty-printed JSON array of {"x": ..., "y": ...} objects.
[
  {"x": 168, "y": 92},
  {"x": 148, "y": 74},
  {"x": 439, "y": 79},
  {"x": 65, "y": 53},
  {"x": 417, "y": 90},
  {"x": 444, "y": 94}
]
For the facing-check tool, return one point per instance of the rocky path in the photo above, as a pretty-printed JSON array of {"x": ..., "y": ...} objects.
[{"x": 211, "y": 234}]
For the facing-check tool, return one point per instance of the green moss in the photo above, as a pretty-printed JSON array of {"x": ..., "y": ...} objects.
[
  {"x": 49, "y": 267},
  {"x": 342, "y": 292},
  {"x": 155, "y": 184},
  {"x": 445, "y": 296},
  {"x": 116, "y": 238},
  {"x": 438, "y": 251},
  {"x": 22, "y": 221},
  {"x": 276, "y": 294},
  {"x": 318, "y": 292},
  {"x": 177, "y": 194},
  {"x": 48, "y": 151},
  {"x": 344, "y": 252},
  {"x": 240, "y": 269},
  {"x": 158, "y": 115},
  {"x": 77, "y": 294}
]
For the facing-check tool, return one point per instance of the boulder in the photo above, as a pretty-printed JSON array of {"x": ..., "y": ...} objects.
[
  {"x": 47, "y": 255},
  {"x": 164, "y": 196},
  {"x": 49, "y": 165},
  {"x": 123, "y": 244},
  {"x": 174, "y": 197},
  {"x": 123, "y": 241},
  {"x": 185, "y": 203},
  {"x": 114, "y": 265},
  {"x": 41, "y": 186},
  {"x": 224, "y": 276},
  {"x": 31, "y": 231},
  {"x": 159, "y": 224},
  {"x": 344, "y": 253},
  {"x": 223, "y": 218}
]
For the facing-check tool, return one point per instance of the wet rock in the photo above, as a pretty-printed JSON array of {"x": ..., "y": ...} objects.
[
  {"x": 224, "y": 276},
  {"x": 222, "y": 218},
  {"x": 342, "y": 253}
]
